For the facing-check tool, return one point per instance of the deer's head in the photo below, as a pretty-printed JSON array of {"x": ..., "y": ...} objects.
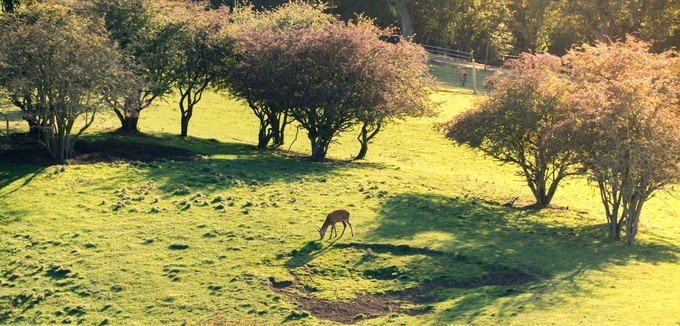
[{"x": 322, "y": 232}]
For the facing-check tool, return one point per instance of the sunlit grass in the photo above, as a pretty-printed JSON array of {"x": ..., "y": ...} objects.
[{"x": 173, "y": 241}]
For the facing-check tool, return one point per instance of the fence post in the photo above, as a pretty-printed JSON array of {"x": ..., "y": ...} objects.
[{"x": 474, "y": 77}]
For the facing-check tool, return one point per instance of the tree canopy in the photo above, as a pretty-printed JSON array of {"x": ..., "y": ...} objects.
[
  {"x": 148, "y": 41},
  {"x": 60, "y": 67},
  {"x": 297, "y": 61},
  {"x": 625, "y": 125},
  {"x": 202, "y": 54},
  {"x": 516, "y": 124}
]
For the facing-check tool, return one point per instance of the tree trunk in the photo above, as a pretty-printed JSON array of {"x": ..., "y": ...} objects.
[
  {"x": 185, "y": 124},
  {"x": 278, "y": 129},
  {"x": 129, "y": 116},
  {"x": 129, "y": 124},
  {"x": 319, "y": 147},
  {"x": 56, "y": 143},
  {"x": 615, "y": 225},
  {"x": 33, "y": 125},
  {"x": 365, "y": 136},
  {"x": 362, "y": 151},
  {"x": 406, "y": 20},
  {"x": 633, "y": 221},
  {"x": 542, "y": 197},
  {"x": 264, "y": 135},
  {"x": 186, "y": 113},
  {"x": 275, "y": 130},
  {"x": 318, "y": 153},
  {"x": 536, "y": 183},
  {"x": 612, "y": 204}
]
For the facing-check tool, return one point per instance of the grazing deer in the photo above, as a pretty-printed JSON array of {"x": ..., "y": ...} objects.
[{"x": 338, "y": 215}]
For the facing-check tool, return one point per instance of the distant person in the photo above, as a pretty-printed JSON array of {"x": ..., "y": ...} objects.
[{"x": 462, "y": 75}]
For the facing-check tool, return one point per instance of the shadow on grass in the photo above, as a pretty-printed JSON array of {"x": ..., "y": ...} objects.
[
  {"x": 172, "y": 161},
  {"x": 11, "y": 173},
  {"x": 310, "y": 251},
  {"x": 496, "y": 236},
  {"x": 219, "y": 165}
]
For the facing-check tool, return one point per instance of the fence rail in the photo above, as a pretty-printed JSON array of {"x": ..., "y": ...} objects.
[
  {"x": 444, "y": 53},
  {"x": 454, "y": 68}
]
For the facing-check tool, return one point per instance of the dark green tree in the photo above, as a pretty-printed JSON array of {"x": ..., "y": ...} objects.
[
  {"x": 147, "y": 40},
  {"x": 62, "y": 66},
  {"x": 203, "y": 54}
]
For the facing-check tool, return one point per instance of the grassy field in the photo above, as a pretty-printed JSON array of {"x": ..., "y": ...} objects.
[
  {"x": 226, "y": 235},
  {"x": 446, "y": 73}
]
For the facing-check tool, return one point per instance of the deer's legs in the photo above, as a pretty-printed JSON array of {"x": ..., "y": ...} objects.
[
  {"x": 333, "y": 229},
  {"x": 344, "y": 226},
  {"x": 350, "y": 227}
]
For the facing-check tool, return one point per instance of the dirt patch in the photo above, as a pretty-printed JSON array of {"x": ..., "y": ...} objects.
[
  {"x": 359, "y": 308},
  {"x": 25, "y": 150},
  {"x": 372, "y": 306},
  {"x": 413, "y": 301}
]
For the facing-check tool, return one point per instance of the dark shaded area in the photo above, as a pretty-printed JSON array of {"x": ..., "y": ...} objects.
[
  {"x": 352, "y": 311},
  {"x": 178, "y": 246},
  {"x": 304, "y": 255},
  {"x": 113, "y": 150},
  {"x": 220, "y": 165},
  {"x": 495, "y": 252},
  {"x": 26, "y": 150},
  {"x": 279, "y": 284},
  {"x": 433, "y": 281},
  {"x": 8, "y": 176},
  {"x": 518, "y": 252}
]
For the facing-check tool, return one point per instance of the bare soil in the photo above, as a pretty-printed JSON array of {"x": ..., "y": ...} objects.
[
  {"x": 348, "y": 312},
  {"x": 373, "y": 306}
]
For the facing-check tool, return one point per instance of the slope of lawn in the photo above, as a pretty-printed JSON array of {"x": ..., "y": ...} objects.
[{"x": 224, "y": 234}]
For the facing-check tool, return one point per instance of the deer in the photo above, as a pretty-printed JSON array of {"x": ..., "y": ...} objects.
[{"x": 338, "y": 215}]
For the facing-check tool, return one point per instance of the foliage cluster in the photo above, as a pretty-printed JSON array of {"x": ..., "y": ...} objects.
[
  {"x": 58, "y": 67},
  {"x": 609, "y": 109},
  {"x": 493, "y": 28},
  {"x": 328, "y": 75},
  {"x": 294, "y": 61},
  {"x": 516, "y": 124}
]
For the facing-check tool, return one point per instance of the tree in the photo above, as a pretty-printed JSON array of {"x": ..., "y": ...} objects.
[
  {"x": 204, "y": 53},
  {"x": 398, "y": 77},
  {"x": 611, "y": 20},
  {"x": 556, "y": 26},
  {"x": 62, "y": 66},
  {"x": 626, "y": 125},
  {"x": 517, "y": 124},
  {"x": 339, "y": 74},
  {"x": 470, "y": 25},
  {"x": 405, "y": 16},
  {"x": 147, "y": 41},
  {"x": 265, "y": 63}
]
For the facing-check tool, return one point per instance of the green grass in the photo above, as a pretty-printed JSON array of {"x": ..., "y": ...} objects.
[
  {"x": 446, "y": 73},
  {"x": 169, "y": 242}
]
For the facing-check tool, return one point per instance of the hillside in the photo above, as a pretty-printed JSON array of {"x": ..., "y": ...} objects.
[{"x": 207, "y": 229}]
